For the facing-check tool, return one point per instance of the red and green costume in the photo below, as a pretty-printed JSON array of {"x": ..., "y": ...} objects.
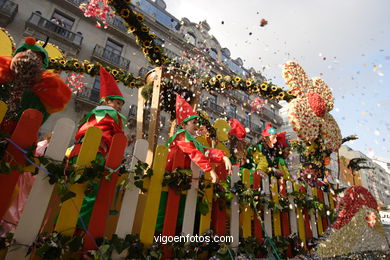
[
  {"x": 107, "y": 119},
  {"x": 49, "y": 95},
  {"x": 183, "y": 142}
]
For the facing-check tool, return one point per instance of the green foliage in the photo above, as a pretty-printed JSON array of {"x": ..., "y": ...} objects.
[
  {"x": 54, "y": 245},
  {"x": 180, "y": 179}
]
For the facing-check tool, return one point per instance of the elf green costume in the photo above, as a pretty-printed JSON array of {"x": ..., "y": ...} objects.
[
  {"x": 269, "y": 159},
  {"x": 110, "y": 121}
]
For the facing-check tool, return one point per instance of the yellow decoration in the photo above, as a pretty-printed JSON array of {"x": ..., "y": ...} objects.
[
  {"x": 223, "y": 129},
  {"x": 301, "y": 226},
  {"x": 7, "y": 44},
  {"x": 223, "y": 147}
]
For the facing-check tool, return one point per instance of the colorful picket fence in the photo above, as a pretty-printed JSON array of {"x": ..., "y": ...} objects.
[{"x": 237, "y": 221}]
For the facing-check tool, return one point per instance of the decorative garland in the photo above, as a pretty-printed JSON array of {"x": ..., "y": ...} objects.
[
  {"x": 144, "y": 38},
  {"x": 93, "y": 69},
  {"x": 250, "y": 86}
]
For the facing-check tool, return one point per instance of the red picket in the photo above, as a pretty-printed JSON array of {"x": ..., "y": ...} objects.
[
  {"x": 97, "y": 223},
  {"x": 24, "y": 135}
]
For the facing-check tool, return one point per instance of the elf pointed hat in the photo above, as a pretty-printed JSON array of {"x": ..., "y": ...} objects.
[
  {"x": 108, "y": 87},
  {"x": 30, "y": 44},
  {"x": 269, "y": 130},
  {"x": 184, "y": 111},
  {"x": 281, "y": 138},
  {"x": 237, "y": 129}
]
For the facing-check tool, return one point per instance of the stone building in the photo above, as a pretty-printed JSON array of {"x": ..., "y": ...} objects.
[{"x": 78, "y": 37}]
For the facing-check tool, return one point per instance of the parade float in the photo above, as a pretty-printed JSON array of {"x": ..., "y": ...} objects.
[{"x": 269, "y": 215}]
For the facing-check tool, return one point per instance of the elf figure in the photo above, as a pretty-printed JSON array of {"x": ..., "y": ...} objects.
[
  {"x": 108, "y": 118},
  {"x": 184, "y": 140},
  {"x": 267, "y": 154},
  {"x": 24, "y": 84},
  {"x": 238, "y": 144}
]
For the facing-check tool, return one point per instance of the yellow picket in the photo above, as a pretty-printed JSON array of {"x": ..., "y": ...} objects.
[
  {"x": 205, "y": 220},
  {"x": 275, "y": 199},
  {"x": 319, "y": 218},
  {"x": 331, "y": 200},
  {"x": 153, "y": 196},
  {"x": 247, "y": 212},
  {"x": 3, "y": 110},
  {"x": 69, "y": 213},
  {"x": 301, "y": 226}
]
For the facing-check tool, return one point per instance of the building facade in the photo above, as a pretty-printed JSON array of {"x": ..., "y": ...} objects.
[{"x": 78, "y": 37}]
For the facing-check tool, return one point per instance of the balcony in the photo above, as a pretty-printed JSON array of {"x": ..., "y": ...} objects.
[
  {"x": 8, "y": 10},
  {"x": 245, "y": 122},
  {"x": 110, "y": 58},
  {"x": 216, "y": 108},
  {"x": 89, "y": 98},
  {"x": 117, "y": 23},
  {"x": 255, "y": 127},
  {"x": 272, "y": 116},
  {"x": 53, "y": 30}
]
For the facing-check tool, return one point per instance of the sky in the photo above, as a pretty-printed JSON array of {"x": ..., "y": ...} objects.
[{"x": 346, "y": 43}]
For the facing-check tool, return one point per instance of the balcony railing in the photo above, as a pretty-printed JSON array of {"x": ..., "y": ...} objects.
[
  {"x": 41, "y": 23},
  {"x": 111, "y": 57},
  {"x": 91, "y": 95},
  {"x": 8, "y": 10},
  {"x": 116, "y": 23},
  {"x": 77, "y": 2},
  {"x": 272, "y": 115},
  {"x": 255, "y": 127},
  {"x": 216, "y": 108}
]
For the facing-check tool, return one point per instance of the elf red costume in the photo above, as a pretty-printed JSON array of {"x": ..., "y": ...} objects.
[
  {"x": 184, "y": 141},
  {"x": 108, "y": 118},
  {"x": 105, "y": 116},
  {"x": 24, "y": 84}
]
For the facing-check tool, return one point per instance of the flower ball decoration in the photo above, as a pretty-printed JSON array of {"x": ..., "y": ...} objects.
[{"x": 309, "y": 111}]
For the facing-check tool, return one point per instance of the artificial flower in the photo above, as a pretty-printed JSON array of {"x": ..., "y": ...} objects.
[{"x": 309, "y": 111}]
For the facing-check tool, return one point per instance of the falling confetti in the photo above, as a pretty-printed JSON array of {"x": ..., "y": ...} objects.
[{"x": 263, "y": 22}]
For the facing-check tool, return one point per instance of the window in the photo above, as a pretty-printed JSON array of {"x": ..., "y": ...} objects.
[
  {"x": 95, "y": 91},
  {"x": 160, "y": 16},
  {"x": 190, "y": 38},
  {"x": 213, "y": 99},
  {"x": 62, "y": 20},
  {"x": 213, "y": 53},
  {"x": 232, "y": 111},
  {"x": 112, "y": 51},
  {"x": 247, "y": 118}
]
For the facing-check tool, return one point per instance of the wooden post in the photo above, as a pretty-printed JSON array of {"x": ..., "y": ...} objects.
[
  {"x": 25, "y": 134},
  {"x": 234, "y": 213},
  {"x": 247, "y": 211},
  {"x": 69, "y": 213},
  {"x": 275, "y": 199},
  {"x": 153, "y": 198},
  {"x": 140, "y": 115},
  {"x": 3, "y": 110},
  {"x": 267, "y": 212},
  {"x": 191, "y": 199},
  {"x": 154, "y": 75},
  {"x": 38, "y": 199}
]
